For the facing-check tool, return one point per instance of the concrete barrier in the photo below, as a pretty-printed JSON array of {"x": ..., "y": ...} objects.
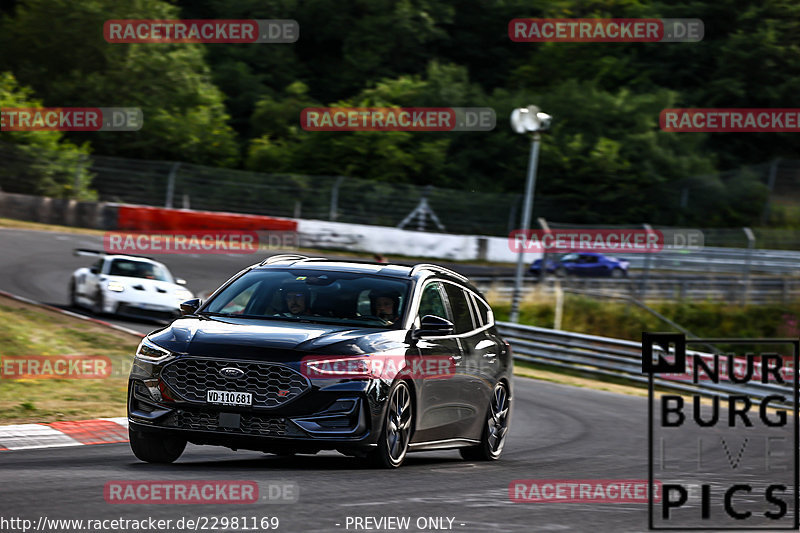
[
  {"x": 385, "y": 240},
  {"x": 312, "y": 233}
]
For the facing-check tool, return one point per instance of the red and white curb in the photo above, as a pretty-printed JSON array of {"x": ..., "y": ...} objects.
[{"x": 59, "y": 434}]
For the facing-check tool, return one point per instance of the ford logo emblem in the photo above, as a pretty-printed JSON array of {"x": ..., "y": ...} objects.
[{"x": 231, "y": 373}]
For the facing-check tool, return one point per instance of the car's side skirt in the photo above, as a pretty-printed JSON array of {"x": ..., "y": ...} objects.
[{"x": 441, "y": 444}]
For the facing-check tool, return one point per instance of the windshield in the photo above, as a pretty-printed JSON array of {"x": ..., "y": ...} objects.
[
  {"x": 314, "y": 296},
  {"x": 138, "y": 269}
]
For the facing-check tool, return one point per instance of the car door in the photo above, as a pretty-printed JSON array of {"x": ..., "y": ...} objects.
[
  {"x": 440, "y": 411},
  {"x": 594, "y": 266},
  {"x": 583, "y": 265},
  {"x": 479, "y": 357}
]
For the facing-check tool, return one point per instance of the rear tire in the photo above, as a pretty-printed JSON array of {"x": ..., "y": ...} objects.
[
  {"x": 561, "y": 272},
  {"x": 397, "y": 426},
  {"x": 155, "y": 448},
  {"x": 495, "y": 430}
]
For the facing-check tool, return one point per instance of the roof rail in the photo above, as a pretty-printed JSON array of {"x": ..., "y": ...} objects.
[
  {"x": 291, "y": 257},
  {"x": 282, "y": 257},
  {"x": 439, "y": 269}
]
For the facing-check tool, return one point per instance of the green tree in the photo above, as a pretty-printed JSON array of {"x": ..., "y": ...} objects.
[
  {"x": 184, "y": 113},
  {"x": 40, "y": 162}
]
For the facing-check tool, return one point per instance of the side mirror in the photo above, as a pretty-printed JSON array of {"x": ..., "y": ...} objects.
[
  {"x": 190, "y": 307},
  {"x": 180, "y": 281},
  {"x": 94, "y": 270},
  {"x": 434, "y": 326}
]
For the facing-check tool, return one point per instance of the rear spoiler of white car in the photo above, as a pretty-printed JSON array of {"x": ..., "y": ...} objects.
[{"x": 85, "y": 252}]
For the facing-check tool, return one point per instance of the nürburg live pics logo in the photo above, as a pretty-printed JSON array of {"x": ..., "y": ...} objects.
[{"x": 723, "y": 442}]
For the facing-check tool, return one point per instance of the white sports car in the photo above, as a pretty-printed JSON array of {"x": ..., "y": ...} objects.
[{"x": 127, "y": 285}]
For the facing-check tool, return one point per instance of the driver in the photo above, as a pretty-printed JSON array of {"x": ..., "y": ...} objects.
[
  {"x": 296, "y": 298},
  {"x": 385, "y": 304}
]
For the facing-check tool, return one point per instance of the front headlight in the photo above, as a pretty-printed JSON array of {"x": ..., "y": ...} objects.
[
  {"x": 115, "y": 286},
  {"x": 183, "y": 294},
  {"x": 152, "y": 353}
]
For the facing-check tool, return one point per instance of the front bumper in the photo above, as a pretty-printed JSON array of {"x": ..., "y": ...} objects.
[
  {"x": 329, "y": 415},
  {"x": 121, "y": 303}
]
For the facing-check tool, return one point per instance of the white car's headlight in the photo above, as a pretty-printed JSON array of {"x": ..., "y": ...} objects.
[
  {"x": 183, "y": 294},
  {"x": 152, "y": 353},
  {"x": 115, "y": 286}
]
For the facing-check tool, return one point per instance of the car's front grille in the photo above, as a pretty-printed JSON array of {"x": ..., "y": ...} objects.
[
  {"x": 270, "y": 384},
  {"x": 208, "y": 421}
]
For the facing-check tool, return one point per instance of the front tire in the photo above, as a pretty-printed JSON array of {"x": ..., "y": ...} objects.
[
  {"x": 397, "y": 426},
  {"x": 618, "y": 273},
  {"x": 155, "y": 448},
  {"x": 494, "y": 432},
  {"x": 99, "y": 302},
  {"x": 73, "y": 299}
]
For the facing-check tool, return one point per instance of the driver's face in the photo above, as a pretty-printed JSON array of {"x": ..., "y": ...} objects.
[
  {"x": 384, "y": 307},
  {"x": 296, "y": 302}
]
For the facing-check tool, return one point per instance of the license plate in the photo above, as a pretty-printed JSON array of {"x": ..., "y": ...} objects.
[{"x": 221, "y": 397}]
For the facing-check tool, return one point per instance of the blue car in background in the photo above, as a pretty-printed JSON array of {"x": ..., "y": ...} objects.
[{"x": 583, "y": 264}]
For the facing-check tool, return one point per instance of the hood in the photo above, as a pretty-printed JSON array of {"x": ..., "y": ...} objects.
[
  {"x": 143, "y": 283},
  {"x": 274, "y": 340}
]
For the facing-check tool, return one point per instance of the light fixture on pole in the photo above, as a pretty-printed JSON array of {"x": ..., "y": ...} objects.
[{"x": 527, "y": 120}]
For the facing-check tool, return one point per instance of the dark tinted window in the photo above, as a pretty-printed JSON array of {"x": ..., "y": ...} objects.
[
  {"x": 460, "y": 307},
  {"x": 137, "y": 269},
  {"x": 483, "y": 310},
  {"x": 314, "y": 296},
  {"x": 431, "y": 302}
]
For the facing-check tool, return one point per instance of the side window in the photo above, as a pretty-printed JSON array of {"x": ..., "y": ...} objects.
[
  {"x": 485, "y": 314},
  {"x": 462, "y": 318},
  {"x": 431, "y": 301}
]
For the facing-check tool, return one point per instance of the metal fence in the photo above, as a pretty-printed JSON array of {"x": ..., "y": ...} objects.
[
  {"x": 773, "y": 198},
  {"x": 333, "y": 198},
  {"x": 716, "y": 289},
  {"x": 606, "y": 357}
]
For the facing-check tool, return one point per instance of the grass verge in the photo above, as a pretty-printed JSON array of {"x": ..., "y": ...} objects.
[{"x": 32, "y": 331}]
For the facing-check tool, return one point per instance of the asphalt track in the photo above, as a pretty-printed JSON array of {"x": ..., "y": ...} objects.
[
  {"x": 558, "y": 432},
  {"x": 38, "y": 264}
]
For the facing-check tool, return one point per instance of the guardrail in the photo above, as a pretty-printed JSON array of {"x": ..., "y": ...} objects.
[
  {"x": 733, "y": 290},
  {"x": 717, "y": 260},
  {"x": 609, "y": 357}
]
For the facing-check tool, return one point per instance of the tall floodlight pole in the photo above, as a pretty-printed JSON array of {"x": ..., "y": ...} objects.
[{"x": 527, "y": 120}]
